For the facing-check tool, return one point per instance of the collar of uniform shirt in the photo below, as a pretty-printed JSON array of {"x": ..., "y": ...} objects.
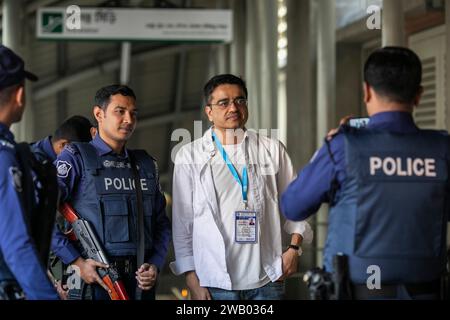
[
  {"x": 48, "y": 148},
  {"x": 103, "y": 148},
  {"x": 388, "y": 117}
]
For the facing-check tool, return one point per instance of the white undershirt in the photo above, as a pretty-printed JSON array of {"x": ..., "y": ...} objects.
[{"x": 243, "y": 260}]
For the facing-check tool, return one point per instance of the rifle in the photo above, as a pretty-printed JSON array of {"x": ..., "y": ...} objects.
[{"x": 88, "y": 240}]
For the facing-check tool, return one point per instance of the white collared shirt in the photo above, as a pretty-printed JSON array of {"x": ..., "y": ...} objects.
[{"x": 198, "y": 231}]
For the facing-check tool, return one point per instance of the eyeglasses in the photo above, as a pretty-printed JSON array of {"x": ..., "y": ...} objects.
[{"x": 238, "y": 102}]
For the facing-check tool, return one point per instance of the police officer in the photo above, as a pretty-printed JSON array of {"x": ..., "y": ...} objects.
[
  {"x": 99, "y": 180},
  {"x": 74, "y": 129},
  {"x": 387, "y": 186},
  {"x": 20, "y": 265}
]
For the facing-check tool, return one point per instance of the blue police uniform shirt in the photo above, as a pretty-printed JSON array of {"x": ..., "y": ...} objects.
[
  {"x": 16, "y": 245},
  {"x": 60, "y": 245},
  {"x": 361, "y": 240},
  {"x": 70, "y": 174},
  {"x": 312, "y": 186}
]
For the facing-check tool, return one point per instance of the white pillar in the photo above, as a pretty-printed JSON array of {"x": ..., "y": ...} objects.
[
  {"x": 300, "y": 85},
  {"x": 393, "y": 29},
  {"x": 261, "y": 63},
  {"x": 15, "y": 38},
  {"x": 269, "y": 64},
  {"x": 326, "y": 68},
  {"x": 12, "y": 26},
  {"x": 125, "y": 63},
  {"x": 253, "y": 59},
  {"x": 219, "y": 55},
  {"x": 326, "y": 88},
  {"x": 237, "y": 47},
  {"x": 301, "y": 114}
]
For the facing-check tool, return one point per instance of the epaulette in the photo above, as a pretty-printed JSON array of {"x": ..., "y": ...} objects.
[{"x": 71, "y": 148}]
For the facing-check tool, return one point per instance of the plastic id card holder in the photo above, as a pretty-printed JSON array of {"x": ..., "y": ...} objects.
[{"x": 246, "y": 226}]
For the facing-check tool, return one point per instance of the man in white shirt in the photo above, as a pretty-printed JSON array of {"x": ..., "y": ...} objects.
[{"x": 226, "y": 218}]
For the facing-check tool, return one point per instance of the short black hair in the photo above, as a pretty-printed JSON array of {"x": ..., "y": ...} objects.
[
  {"x": 395, "y": 73},
  {"x": 74, "y": 129},
  {"x": 221, "y": 79},
  {"x": 103, "y": 95}
]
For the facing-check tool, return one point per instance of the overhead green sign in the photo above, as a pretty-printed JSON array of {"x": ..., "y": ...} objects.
[{"x": 79, "y": 23}]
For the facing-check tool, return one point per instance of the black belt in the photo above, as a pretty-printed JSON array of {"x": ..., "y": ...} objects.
[{"x": 361, "y": 292}]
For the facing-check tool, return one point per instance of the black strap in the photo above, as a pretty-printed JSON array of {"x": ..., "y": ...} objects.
[
  {"x": 140, "y": 219},
  {"x": 26, "y": 183},
  {"x": 327, "y": 143},
  {"x": 41, "y": 217},
  {"x": 90, "y": 158}
]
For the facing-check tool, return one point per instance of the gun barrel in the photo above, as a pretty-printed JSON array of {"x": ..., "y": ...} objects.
[{"x": 85, "y": 234}]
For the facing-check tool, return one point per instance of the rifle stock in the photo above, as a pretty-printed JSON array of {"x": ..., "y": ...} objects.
[{"x": 92, "y": 247}]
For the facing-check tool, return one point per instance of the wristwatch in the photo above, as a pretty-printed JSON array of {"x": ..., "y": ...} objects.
[{"x": 296, "y": 248}]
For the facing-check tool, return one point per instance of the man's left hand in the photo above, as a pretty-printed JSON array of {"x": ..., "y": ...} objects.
[
  {"x": 146, "y": 276},
  {"x": 290, "y": 263},
  {"x": 335, "y": 131}
]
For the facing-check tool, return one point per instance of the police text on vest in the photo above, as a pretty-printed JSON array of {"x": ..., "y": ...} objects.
[
  {"x": 401, "y": 167},
  {"x": 124, "y": 184}
]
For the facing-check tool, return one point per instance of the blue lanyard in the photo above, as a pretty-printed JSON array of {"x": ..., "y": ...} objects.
[{"x": 244, "y": 182}]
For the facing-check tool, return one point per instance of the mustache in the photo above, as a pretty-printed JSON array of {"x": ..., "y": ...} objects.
[
  {"x": 129, "y": 128},
  {"x": 232, "y": 115}
]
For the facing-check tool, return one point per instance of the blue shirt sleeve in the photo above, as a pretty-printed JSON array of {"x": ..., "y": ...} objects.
[
  {"x": 68, "y": 167},
  {"x": 62, "y": 247},
  {"x": 16, "y": 245},
  {"x": 311, "y": 188}
]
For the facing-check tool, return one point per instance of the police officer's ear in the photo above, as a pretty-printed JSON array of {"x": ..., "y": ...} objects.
[
  {"x": 93, "y": 132},
  {"x": 19, "y": 96},
  {"x": 99, "y": 114},
  {"x": 367, "y": 92},
  {"x": 418, "y": 97},
  {"x": 58, "y": 146}
]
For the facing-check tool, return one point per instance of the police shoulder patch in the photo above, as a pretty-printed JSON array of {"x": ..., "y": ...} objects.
[{"x": 63, "y": 168}]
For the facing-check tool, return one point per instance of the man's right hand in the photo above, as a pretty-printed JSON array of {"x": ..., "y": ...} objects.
[
  {"x": 88, "y": 271},
  {"x": 197, "y": 292}
]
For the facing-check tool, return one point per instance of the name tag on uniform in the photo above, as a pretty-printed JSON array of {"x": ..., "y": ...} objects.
[{"x": 246, "y": 226}]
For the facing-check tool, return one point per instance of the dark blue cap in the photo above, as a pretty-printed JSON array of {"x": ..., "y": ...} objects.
[{"x": 12, "y": 69}]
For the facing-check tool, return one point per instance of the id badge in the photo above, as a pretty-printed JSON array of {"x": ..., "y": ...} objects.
[{"x": 246, "y": 226}]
